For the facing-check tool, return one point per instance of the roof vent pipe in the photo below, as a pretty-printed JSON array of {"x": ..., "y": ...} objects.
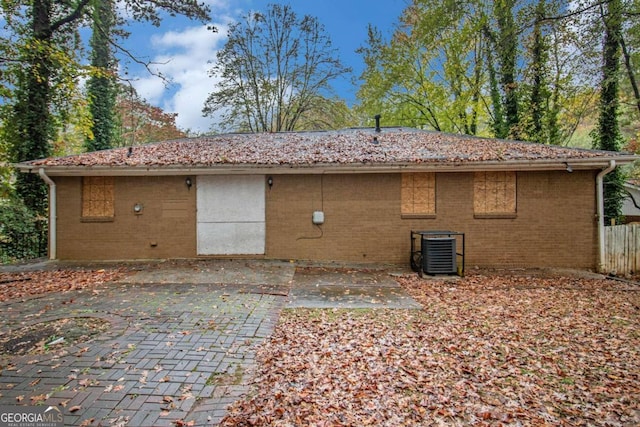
[{"x": 377, "y": 117}]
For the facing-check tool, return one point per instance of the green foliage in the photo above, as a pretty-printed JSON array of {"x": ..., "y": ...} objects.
[
  {"x": 497, "y": 120},
  {"x": 327, "y": 113},
  {"x": 614, "y": 191},
  {"x": 6, "y": 172},
  {"x": 43, "y": 75},
  {"x": 102, "y": 86},
  {"x": 538, "y": 95},
  {"x": 608, "y": 136},
  {"x": 614, "y": 195},
  {"x": 506, "y": 45},
  {"x": 41, "y": 69},
  {"x": 608, "y": 128},
  {"x": 28, "y": 126},
  {"x": 21, "y": 232},
  {"x": 102, "y": 108},
  {"x": 430, "y": 74},
  {"x": 6, "y": 177},
  {"x": 478, "y": 67}
]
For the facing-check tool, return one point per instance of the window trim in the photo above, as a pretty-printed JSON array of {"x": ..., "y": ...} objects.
[
  {"x": 417, "y": 216},
  {"x": 495, "y": 215}
]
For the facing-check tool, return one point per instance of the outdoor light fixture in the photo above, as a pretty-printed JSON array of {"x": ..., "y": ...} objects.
[
  {"x": 569, "y": 168},
  {"x": 137, "y": 208},
  {"x": 188, "y": 182},
  {"x": 270, "y": 181}
]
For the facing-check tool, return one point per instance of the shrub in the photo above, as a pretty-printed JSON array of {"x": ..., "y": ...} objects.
[{"x": 22, "y": 233}]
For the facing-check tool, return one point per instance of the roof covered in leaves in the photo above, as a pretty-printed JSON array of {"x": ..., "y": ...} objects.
[{"x": 349, "y": 149}]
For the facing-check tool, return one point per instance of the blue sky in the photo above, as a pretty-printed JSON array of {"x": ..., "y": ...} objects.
[{"x": 182, "y": 49}]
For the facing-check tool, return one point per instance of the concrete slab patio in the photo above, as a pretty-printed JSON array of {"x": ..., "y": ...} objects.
[
  {"x": 181, "y": 340},
  {"x": 318, "y": 287}
]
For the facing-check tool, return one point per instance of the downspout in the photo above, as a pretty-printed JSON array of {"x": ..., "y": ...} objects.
[
  {"x": 600, "y": 214},
  {"x": 52, "y": 213}
]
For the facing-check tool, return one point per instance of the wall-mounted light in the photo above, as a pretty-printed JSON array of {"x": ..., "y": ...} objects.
[
  {"x": 270, "y": 182},
  {"x": 568, "y": 167},
  {"x": 188, "y": 182},
  {"x": 137, "y": 208}
]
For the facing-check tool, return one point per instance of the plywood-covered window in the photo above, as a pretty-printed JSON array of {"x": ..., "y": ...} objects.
[
  {"x": 97, "y": 197},
  {"x": 494, "y": 194},
  {"x": 418, "y": 194}
]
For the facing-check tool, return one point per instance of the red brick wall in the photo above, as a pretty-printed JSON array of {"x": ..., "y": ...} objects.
[
  {"x": 165, "y": 229},
  {"x": 554, "y": 226}
]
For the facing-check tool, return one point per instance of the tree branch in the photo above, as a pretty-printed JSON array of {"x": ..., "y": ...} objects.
[
  {"x": 71, "y": 17},
  {"x": 145, "y": 64},
  {"x": 632, "y": 77},
  {"x": 572, "y": 13}
]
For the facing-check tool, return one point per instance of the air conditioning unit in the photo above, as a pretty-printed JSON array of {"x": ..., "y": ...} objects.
[{"x": 439, "y": 255}]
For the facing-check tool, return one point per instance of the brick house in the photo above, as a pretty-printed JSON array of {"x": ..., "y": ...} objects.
[{"x": 352, "y": 195}]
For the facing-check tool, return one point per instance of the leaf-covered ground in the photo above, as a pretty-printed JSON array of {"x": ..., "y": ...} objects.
[
  {"x": 485, "y": 351},
  {"x": 37, "y": 338},
  {"x": 28, "y": 284}
]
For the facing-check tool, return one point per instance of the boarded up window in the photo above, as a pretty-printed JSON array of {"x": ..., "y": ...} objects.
[
  {"x": 418, "y": 193},
  {"x": 97, "y": 197},
  {"x": 494, "y": 193}
]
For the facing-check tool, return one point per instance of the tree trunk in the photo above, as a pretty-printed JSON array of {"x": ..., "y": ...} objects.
[
  {"x": 630, "y": 73},
  {"x": 102, "y": 87},
  {"x": 507, "y": 46},
  {"x": 33, "y": 121},
  {"x": 608, "y": 127},
  {"x": 536, "y": 100}
]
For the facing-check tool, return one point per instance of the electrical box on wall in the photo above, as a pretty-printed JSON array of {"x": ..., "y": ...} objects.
[{"x": 318, "y": 217}]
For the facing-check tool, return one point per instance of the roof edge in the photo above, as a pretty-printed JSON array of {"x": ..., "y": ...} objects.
[{"x": 344, "y": 168}]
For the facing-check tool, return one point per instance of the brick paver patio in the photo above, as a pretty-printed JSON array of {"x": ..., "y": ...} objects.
[
  {"x": 181, "y": 339},
  {"x": 173, "y": 352}
]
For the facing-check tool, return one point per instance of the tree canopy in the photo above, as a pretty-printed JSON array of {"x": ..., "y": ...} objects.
[
  {"x": 41, "y": 67},
  {"x": 498, "y": 68},
  {"x": 273, "y": 70},
  {"x": 140, "y": 123}
]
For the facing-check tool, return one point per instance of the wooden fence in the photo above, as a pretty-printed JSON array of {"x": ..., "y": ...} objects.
[{"x": 622, "y": 249}]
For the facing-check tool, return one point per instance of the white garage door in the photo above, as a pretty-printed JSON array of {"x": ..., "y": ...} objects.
[{"x": 230, "y": 215}]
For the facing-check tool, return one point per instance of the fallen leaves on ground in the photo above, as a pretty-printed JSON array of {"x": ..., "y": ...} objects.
[
  {"x": 43, "y": 337},
  {"x": 485, "y": 350},
  {"x": 26, "y": 284}
]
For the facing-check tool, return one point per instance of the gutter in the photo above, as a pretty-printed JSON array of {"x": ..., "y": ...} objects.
[
  {"x": 52, "y": 213},
  {"x": 600, "y": 214},
  {"x": 325, "y": 168}
]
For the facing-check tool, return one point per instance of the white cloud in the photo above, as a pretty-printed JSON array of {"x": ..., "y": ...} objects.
[{"x": 183, "y": 57}]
